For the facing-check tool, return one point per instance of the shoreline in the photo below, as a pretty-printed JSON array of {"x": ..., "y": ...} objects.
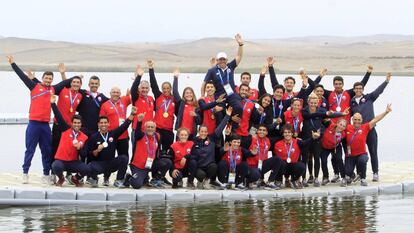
[
  {"x": 193, "y": 70},
  {"x": 395, "y": 178}
]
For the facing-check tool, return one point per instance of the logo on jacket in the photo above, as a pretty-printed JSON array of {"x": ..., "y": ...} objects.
[{"x": 111, "y": 139}]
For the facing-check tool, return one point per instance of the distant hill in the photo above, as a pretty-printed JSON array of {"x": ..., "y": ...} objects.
[{"x": 393, "y": 53}]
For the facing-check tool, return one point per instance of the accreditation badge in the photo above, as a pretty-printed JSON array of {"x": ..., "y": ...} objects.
[
  {"x": 148, "y": 163},
  {"x": 228, "y": 89},
  {"x": 232, "y": 177},
  {"x": 260, "y": 164}
]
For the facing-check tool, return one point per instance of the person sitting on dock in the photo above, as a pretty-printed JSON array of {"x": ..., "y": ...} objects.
[
  {"x": 102, "y": 145},
  {"x": 71, "y": 142}
]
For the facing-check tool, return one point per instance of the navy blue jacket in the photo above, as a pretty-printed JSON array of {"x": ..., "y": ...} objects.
[
  {"x": 366, "y": 103},
  {"x": 89, "y": 109},
  {"x": 227, "y": 77}
]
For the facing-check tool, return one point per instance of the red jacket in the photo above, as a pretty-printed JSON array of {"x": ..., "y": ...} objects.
[
  {"x": 65, "y": 104},
  {"x": 262, "y": 150},
  {"x": 180, "y": 151},
  {"x": 161, "y": 103},
  {"x": 116, "y": 112},
  {"x": 357, "y": 139},
  {"x": 144, "y": 105},
  {"x": 345, "y": 102},
  {"x": 66, "y": 150},
  {"x": 330, "y": 139},
  {"x": 281, "y": 149},
  {"x": 40, "y": 103},
  {"x": 146, "y": 147}
]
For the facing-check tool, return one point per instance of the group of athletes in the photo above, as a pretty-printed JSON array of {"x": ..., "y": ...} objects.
[{"x": 231, "y": 137}]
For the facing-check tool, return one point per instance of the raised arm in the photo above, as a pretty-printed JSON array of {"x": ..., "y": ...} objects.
[
  {"x": 377, "y": 92},
  {"x": 139, "y": 72},
  {"x": 61, "y": 122},
  {"x": 364, "y": 80},
  {"x": 153, "y": 81},
  {"x": 262, "y": 88},
  {"x": 138, "y": 131},
  {"x": 272, "y": 73},
  {"x": 62, "y": 71},
  {"x": 26, "y": 80},
  {"x": 379, "y": 117},
  {"x": 59, "y": 87},
  {"x": 177, "y": 97},
  {"x": 240, "y": 50},
  {"x": 219, "y": 129}
]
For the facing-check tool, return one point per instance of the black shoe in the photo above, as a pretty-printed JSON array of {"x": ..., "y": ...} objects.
[
  {"x": 310, "y": 180},
  {"x": 127, "y": 181}
]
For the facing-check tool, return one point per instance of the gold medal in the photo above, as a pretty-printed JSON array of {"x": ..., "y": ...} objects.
[
  {"x": 212, "y": 117},
  {"x": 295, "y": 135},
  {"x": 165, "y": 114},
  {"x": 71, "y": 109}
]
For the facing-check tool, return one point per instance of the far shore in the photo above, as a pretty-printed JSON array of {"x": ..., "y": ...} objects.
[{"x": 192, "y": 70}]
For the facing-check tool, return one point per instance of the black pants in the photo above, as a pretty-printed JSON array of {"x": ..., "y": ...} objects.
[
  {"x": 272, "y": 164},
  {"x": 59, "y": 166},
  {"x": 118, "y": 164},
  {"x": 372, "y": 142},
  {"x": 189, "y": 171},
  {"x": 166, "y": 139},
  {"x": 140, "y": 176},
  {"x": 122, "y": 148},
  {"x": 337, "y": 156},
  {"x": 223, "y": 172},
  {"x": 208, "y": 172},
  {"x": 312, "y": 153},
  {"x": 294, "y": 170},
  {"x": 360, "y": 162},
  {"x": 56, "y": 135}
]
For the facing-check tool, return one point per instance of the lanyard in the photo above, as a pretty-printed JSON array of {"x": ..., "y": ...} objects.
[
  {"x": 245, "y": 103},
  {"x": 166, "y": 104},
  {"x": 233, "y": 161},
  {"x": 40, "y": 94},
  {"x": 116, "y": 109},
  {"x": 209, "y": 101},
  {"x": 262, "y": 116},
  {"x": 72, "y": 101},
  {"x": 106, "y": 137},
  {"x": 94, "y": 99},
  {"x": 274, "y": 108},
  {"x": 258, "y": 149},
  {"x": 353, "y": 136},
  {"x": 75, "y": 135},
  {"x": 337, "y": 138},
  {"x": 290, "y": 149},
  {"x": 221, "y": 78},
  {"x": 296, "y": 123},
  {"x": 338, "y": 99},
  {"x": 151, "y": 153}
]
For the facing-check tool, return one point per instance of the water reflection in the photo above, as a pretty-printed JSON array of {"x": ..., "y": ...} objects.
[{"x": 328, "y": 214}]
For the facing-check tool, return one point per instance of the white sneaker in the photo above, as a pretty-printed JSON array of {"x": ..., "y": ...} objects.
[
  {"x": 25, "y": 178},
  {"x": 206, "y": 184},
  {"x": 46, "y": 179},
  {"x": 375, "y": 177}
]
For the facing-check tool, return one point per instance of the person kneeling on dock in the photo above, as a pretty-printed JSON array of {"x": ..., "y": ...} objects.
[
  {"x": 261, "y": 163},
  {"x": 184, "y": 163},
  {"x": 356, "y": 138},
  {"x": 145, "y": 157},
  {"x": 102, "y": 145},
  {"x": 71, "y": 142},
  {"x": 289, "y": 150},
  {"x": 232, "y": 170}
]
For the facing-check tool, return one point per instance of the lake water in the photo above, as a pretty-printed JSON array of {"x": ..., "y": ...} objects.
[
  {"x": 394, "y": 131},
  {"x": 323, "y": 214}
]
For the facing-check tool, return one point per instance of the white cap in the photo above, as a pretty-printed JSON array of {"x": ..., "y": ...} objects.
[{"x": 221, "y": 55}]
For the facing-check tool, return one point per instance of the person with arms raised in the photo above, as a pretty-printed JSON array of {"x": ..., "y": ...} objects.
[{"x": 38, "y": 130}]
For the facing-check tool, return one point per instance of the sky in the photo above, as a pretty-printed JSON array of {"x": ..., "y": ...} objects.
[{"x": 100, "y": 21}]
